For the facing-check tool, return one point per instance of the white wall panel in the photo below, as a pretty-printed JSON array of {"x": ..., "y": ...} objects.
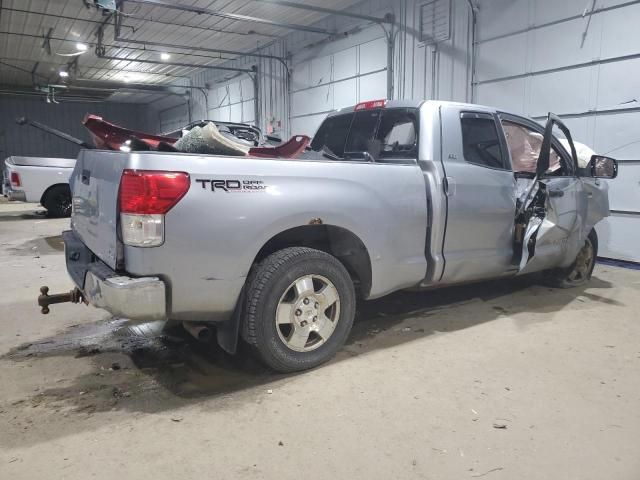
[
  {"x": 307, "y": 125},
  {"x": 545, "y": 11},
  {"x": 497, "y": 17},
  {"x": 618, "y": 84},
  {"x": 620, "y": 32},
  {"x": 248, "y": 111},
  {"x": 301, "y": 76},
  {"x": 321, "y": 71},
  {"x": 345, "y": 93},
  {"x": 625, "y": 190},
  {"x": 345, "y": 63},
  {"x": 618, "y": 135},
  {"x": 373, "y": 55},
  {"x": 560, "y": 45},
  {"x": 549, "y": 92},
  {"x": 508, "y": 95},
  {"x": 372, "y": 86},
  {"x": 619, "y": 237},
  {"x": 502, "y": 57}
]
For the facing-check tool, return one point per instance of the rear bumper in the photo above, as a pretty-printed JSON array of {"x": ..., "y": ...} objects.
[
  {"x": 16, "y": 195},
  {"x": 139, "y": 299}
]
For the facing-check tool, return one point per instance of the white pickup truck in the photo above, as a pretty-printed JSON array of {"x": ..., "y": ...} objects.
[{"x": 40, "y": 180}]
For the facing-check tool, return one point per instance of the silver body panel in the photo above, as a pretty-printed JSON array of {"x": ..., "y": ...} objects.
[{"x": 415, "y": 229}]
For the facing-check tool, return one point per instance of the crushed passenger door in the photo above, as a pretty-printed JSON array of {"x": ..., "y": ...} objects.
[{"x": 548, "y": 230}]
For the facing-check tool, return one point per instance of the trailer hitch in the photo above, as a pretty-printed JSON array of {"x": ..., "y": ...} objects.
[{"x": 44, "y": 299}]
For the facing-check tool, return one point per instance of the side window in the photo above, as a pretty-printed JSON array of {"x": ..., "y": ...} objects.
[
  {"x": 397, "y": 134},
  {"x": 524, "y": 146},
  {"x": 362, "y": 131},
  {"x": 480, "y": 141},
  {"x": 332, "y": 135}
]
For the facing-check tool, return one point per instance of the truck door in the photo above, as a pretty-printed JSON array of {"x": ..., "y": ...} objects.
[
  {"x": 480, "y": 193},
  {"x": 553, "y": 231}
]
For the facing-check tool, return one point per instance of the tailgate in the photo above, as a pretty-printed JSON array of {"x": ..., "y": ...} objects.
[{"x": 94, "y": 186}]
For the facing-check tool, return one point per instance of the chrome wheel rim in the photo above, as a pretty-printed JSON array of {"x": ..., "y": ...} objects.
[
  {"x": 307, "y": 313},
  {"x": 583, "y": 263}
]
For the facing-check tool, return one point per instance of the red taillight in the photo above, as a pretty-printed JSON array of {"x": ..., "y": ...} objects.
[
  {"x": 15, "y": 179},
  {"x": 371, "y": 104},
  {"x": 151, "y": 191}
]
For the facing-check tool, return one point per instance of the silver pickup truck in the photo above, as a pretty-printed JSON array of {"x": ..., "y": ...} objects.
[{"x": 389, "y": 196}]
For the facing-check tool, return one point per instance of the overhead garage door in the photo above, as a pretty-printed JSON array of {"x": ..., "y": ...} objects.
[
  {"x": 233, "y": 101},
  {"x": 336, "y": 80},
  {"x": 582, "y": 67}
]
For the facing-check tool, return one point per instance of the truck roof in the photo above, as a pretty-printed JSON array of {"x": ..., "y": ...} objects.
[{"x": 410, "y": 103}]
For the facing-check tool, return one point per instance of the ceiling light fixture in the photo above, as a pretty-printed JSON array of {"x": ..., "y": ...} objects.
[
  {"x": 165, "y": 56},
  {"x": 63, "y": 74},
  {"x": 81, "y": 47}
]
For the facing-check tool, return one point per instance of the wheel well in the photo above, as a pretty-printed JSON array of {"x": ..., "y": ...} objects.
[
  {"x": 46, "y": 192},
  {"x": 337, "y": 241}
]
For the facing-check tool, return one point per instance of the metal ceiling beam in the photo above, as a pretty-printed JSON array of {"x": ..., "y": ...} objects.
[
  {"x": 329, "y": 11},
  {"x": 177, "y": 64},
  {"x": 88, "y": 69},
  {"x": 129, "y": 15},
  {"x": 108, "y": 45},
  {"x": 200, "y": 49},
  {"x": 232, "y": 16}
]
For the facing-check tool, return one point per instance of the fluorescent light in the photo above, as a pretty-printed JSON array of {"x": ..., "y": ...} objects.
[
  {"x": 63, "y": 74},
  {"x": 81, "y": 47},
  {"x": 165, "y": 56}
]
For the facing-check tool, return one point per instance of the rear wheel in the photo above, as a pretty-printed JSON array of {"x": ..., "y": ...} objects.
[
  {"x": 580, "y": 271},
  {"x": 299, "y": 308},
  {"x": 57, "y": 201}
]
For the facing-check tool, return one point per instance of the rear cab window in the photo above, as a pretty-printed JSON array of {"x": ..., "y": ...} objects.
[{"x": 380, "y": 135}]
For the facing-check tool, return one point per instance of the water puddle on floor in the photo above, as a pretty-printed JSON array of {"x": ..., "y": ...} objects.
[{"x": 39, "y": 246}]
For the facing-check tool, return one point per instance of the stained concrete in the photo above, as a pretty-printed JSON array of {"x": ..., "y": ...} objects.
[{"x": 499, "y": 380}]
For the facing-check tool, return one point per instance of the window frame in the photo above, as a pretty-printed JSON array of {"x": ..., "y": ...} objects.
[
  {"x": 525, "y": 122},
  {"x": 415, "y": 152},
  {"x": 502, "y": 140},
  {"x": 352, "y": 156}
]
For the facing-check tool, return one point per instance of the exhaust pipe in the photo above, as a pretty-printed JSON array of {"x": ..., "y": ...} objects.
[{"x": 199, "y": 331}]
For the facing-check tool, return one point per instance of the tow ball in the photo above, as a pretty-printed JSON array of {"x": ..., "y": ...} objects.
[{"x": 44, "y": 299}]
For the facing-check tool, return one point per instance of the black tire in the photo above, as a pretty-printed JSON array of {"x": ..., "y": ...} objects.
[
  {"x": 579, "y": 273},
  {"x": 57, "y": 201},
  {"x": 268, "y": 284}
]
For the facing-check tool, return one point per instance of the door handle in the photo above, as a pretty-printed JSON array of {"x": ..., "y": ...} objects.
[
  {"x": 556, "y": 193},
  {"x": 449, "y": 186}
]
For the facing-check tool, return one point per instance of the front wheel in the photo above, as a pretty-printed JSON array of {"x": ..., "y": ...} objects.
[
  {"x": 299, "y": 308},
  {"x": 580, "y": 271}
]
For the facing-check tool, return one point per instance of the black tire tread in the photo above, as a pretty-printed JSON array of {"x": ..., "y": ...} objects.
[
  {"x": 259, "y": 278},
  {"x": 558, "y": 278},
  {"x": 52, "y": 210}
]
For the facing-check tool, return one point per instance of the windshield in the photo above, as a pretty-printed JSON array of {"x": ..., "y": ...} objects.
[{"x": 368, "y": 134}]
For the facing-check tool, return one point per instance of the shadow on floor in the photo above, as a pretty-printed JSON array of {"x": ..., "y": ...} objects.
[
  {"x": 16, "y": 215},
  {"x": 158, "y": 372}
]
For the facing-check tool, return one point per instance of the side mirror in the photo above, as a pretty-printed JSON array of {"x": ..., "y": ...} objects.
[{"x": 603, "y": 167}]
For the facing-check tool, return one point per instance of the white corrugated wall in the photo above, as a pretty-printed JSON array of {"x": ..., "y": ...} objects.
[{"x": 536, "y": 57}]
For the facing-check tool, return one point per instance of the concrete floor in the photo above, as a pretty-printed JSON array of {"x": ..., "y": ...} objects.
[{"x": 502, "y": 380}]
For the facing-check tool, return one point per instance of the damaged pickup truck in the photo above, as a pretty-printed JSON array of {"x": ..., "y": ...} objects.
[{"x": 389, "y": 196}]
